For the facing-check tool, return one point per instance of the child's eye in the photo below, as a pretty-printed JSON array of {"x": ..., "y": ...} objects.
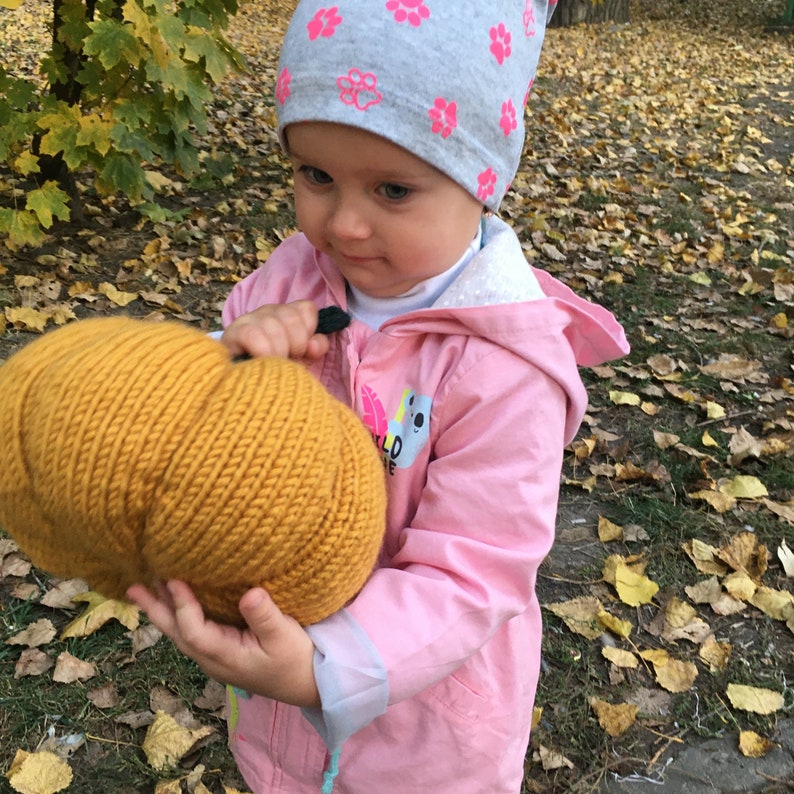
[
  {"x": 315, "y": 175},
  {"x": 394, "y": 192}
]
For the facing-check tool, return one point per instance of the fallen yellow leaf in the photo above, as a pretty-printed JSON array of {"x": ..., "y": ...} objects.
[
  {"x": 744, "y": 486},
  {"x": 166, "y": 741},
  {"x": 115, "y": 295},
  {"x": 721, "y": 502},
  {"x": 633, "y": 588},
  {"x": 98, "y": 612},
  {"x": 624, "y": 398},
  {"x": 26, "y": 318},
  {"x": 607, "y": 531},
  {"x": 619, "y": 657},
  {"x": 752, "y": 745},
  {"x": 614, "y": 719},
  {"x": 39, "y": 773},
  {"x": 675, "y": 675},
  {"x": 622, "y": 628},
  {"x": 755, "y": 699}
]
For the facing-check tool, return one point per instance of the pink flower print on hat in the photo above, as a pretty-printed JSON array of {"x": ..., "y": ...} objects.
[
  {"x": 324, "y": 23},
  {"x": 500, "y": 42},
  {"x": 359, "y": 89},
  {"x": 444, "y": 116},
  {"x": 529, "y": 19},
  {"x": 508, "y": 121},
  {"x": 282, "y": 85},
  {"x": 413, "y": 11},
  {"x": 486, "y": 182}
]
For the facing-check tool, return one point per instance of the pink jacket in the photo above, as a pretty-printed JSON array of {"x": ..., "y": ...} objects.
[{"x": 471, "y": 406}]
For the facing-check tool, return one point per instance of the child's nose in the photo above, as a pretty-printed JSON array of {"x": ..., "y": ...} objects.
[{"x": 348, "y": 221}]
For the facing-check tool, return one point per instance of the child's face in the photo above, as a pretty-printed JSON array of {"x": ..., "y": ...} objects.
[{"x": 388, "y": 219}]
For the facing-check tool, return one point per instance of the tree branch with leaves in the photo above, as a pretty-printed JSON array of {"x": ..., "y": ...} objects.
[{"x": 124, "y": 90}]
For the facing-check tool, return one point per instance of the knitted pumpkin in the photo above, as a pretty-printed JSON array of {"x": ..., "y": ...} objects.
[{"x": 134, "y": 451}]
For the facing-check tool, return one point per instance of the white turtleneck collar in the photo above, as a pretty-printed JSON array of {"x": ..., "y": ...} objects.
[{"x": 376, "y": 311}]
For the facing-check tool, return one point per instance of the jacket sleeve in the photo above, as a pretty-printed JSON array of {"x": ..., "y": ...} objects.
[{"x": 467, "y": 563}]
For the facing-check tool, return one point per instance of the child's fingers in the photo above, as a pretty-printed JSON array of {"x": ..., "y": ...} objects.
[
  {"x": 261, "y": 614},
  {"x": 189, "y": 619},
  {"x": 159, "y": 610}
]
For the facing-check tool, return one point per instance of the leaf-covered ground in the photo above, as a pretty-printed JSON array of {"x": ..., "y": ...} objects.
[{"x": 659, "y": 180}]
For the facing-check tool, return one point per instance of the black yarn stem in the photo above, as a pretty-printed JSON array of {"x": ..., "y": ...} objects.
[{"x": 330, "y": 319}]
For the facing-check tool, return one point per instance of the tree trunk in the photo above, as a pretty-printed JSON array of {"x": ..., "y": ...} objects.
[{"x": 576, "y": 12}]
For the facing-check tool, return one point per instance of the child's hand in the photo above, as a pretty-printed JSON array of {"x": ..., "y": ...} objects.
[
  {"x": 288, "y": 330},
  {"x": 272, "y": 657}
]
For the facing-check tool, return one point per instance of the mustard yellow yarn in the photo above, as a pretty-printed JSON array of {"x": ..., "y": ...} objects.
[{"x": 133, "y": 451}]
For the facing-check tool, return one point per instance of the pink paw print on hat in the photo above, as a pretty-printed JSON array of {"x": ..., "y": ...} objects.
[
  {"x": 529, "y": 19},
  {"x": 324, "y": 23},
  {"x": 444, "y": 116},
  {"x": 508, "y": 121},
  {"x": 282, "y": 85},
  {"x": 486, "y": 183},
  {"x": 500, "y": 42},
  {"x": 359, "y": 89},
  {"x": 412, "y": 11}
]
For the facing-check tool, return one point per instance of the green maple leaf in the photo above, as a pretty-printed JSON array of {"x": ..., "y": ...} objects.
[
  {"x": 46, "y": 201},
  {"x": 72, "y": 27},
  {"x": 199, "y": 45},
  {"x": 112, "y": 43},
  {"x": 120, "y": 173}
]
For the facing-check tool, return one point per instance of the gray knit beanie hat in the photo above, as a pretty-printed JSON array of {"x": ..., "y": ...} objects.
[{"x": 445, "y": 79}]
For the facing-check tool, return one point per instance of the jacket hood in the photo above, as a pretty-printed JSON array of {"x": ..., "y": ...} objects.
[{"x": 500, "y": 297}]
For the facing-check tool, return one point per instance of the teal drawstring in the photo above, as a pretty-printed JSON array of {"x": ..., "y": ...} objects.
[{"x": 330, "y": 774}]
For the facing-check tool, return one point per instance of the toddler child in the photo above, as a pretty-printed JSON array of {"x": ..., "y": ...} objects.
[{"x": 403, "y": 120}]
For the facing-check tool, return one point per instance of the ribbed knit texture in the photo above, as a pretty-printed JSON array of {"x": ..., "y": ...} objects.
[{"x": 135, "y": 451}]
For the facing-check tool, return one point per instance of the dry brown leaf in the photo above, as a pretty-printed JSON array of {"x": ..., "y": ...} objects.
[
  {"x": 32, "y": 661},
  {"x": 580, "y": 615},
  {"x": 681, "y": 622},
  {"x": 61, "y": 595},
  {"x": 715, "y": 654},
  {"x": 786, "y": 557},
  {"x": 549, "y": 759},
  {"x": 744, "y": 445},
  {"x": 38, "y": 633},
  {"x": 104, "y": 697},
  {"x": 704, "y": 556},
  {"x": 69, "y": 669},
  {"x": 744, "y": 553}
]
